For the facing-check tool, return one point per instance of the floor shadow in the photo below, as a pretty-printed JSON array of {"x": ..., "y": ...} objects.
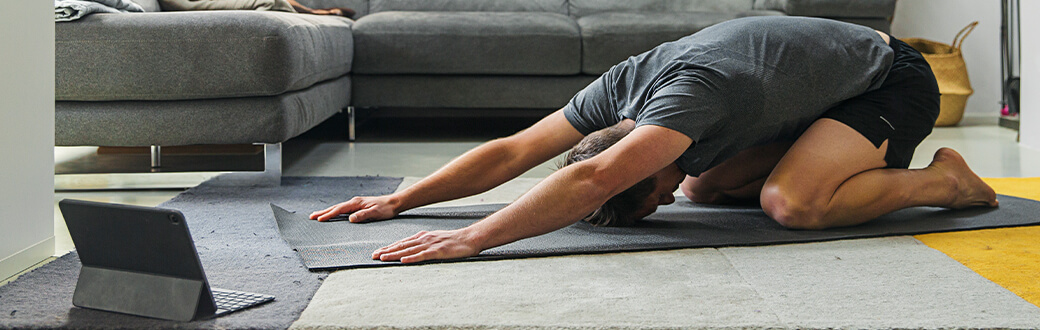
[{"x": 410, "y": 125}]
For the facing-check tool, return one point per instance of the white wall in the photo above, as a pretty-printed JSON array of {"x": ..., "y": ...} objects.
[
  {"x": 940, "y": 20},
  {"x": 1030, "y": 117},
  {"x": 26, "y": 134}
]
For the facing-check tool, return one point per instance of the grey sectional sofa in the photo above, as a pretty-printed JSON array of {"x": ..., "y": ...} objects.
[{"x": 238, "y": 77}]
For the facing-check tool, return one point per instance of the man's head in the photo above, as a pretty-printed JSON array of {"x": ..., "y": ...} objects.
[{"x": 636, "y": 202}]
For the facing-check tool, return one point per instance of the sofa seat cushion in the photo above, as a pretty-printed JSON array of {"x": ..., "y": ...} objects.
[
  {"x": 197, "y": 55},
  {"x": 609, "y": 38},
  {"x": 831, "y": 8},
  {"x": 466, "y": 91},
  {"x": 880, "y": 24},
  {"x": 467, "y": 43}
]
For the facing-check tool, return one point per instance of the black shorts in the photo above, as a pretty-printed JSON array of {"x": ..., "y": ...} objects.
[{"x": 903, "y": 110}]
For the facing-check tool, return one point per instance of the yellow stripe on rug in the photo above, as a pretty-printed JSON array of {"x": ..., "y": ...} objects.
[{"x": 1009, "y": 257}]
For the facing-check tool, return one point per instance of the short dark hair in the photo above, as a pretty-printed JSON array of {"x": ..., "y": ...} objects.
[{"x": 619, "y": 211}]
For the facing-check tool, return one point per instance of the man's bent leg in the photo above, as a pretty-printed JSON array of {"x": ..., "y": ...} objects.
[
  {"x": 737, "y": 179},
  {"x": 833, "y": 176}
]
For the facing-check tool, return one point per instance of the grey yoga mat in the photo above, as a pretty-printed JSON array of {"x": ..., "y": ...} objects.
[
  {"x": 341, "y": 244},
  {"x": 238, "y": 245}
]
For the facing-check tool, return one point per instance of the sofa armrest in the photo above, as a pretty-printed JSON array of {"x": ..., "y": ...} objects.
[{"x": 831, "y": 8}]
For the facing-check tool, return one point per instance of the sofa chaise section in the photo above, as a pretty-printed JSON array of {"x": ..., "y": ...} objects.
[{"x": 214, "y": 77}]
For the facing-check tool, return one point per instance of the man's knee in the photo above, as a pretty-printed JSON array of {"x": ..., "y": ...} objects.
[{"x": 789, "y": 209}]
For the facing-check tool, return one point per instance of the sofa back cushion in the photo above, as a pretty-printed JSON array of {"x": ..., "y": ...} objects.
[
  {"x": 552, "y": 6},
  {"x": 580, "y": 8}
]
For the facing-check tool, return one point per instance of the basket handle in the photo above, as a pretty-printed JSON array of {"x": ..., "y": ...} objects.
[{"x": 958, "y": 39}]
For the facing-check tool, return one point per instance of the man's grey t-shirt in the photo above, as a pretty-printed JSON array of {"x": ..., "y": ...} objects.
[{"x": 737, "y": 84}]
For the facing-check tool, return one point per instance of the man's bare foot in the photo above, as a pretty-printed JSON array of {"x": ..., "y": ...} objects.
[
  {"x": 967, "y": 188},
  {"x": 345, "y": 12}
]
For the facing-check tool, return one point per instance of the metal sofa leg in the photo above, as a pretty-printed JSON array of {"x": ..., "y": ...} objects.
[
  {"x": 271, "y": 176},
  {"x": 156, "y": 156},
  {"x": 350, "y": 123}
]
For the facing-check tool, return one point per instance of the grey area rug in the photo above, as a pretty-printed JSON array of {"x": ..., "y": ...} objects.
[
  {"x": 238, "y": 245},
  {"x": 341, "y": 244}
]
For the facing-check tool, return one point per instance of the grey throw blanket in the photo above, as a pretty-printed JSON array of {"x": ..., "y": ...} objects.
[{"x": 70, "y": 10}]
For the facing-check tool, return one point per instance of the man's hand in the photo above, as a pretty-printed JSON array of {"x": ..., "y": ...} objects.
[
  {"x": 441, "y": 244},
  {"x": 361, "y": 209}
]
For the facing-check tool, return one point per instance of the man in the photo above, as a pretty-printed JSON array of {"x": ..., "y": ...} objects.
[{"x": 815, "y": 119}]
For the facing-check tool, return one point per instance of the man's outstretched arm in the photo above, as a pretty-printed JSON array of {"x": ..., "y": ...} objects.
[
  {"x": 558, "y": 201},
  {"x": 476, "y": 171}
]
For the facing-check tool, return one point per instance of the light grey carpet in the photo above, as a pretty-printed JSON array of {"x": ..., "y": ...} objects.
[
  {"x": 880, "y": 283},
  {"x": 239, "y": 247},
  {"x": 341, "y": 244}
]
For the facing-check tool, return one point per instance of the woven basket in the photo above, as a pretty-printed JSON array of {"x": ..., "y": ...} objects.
[{"x": 950, "y": 72}]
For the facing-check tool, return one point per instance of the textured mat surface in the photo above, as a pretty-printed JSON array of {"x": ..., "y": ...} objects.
[
  {"x": 239, "y": 247},
  {"x": 341, "y": 244}
]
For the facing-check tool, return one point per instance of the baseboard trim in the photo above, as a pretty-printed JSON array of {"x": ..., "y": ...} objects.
[
  {"x": 979, "y": 119},
  {"x": 23, "y": 260}
]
